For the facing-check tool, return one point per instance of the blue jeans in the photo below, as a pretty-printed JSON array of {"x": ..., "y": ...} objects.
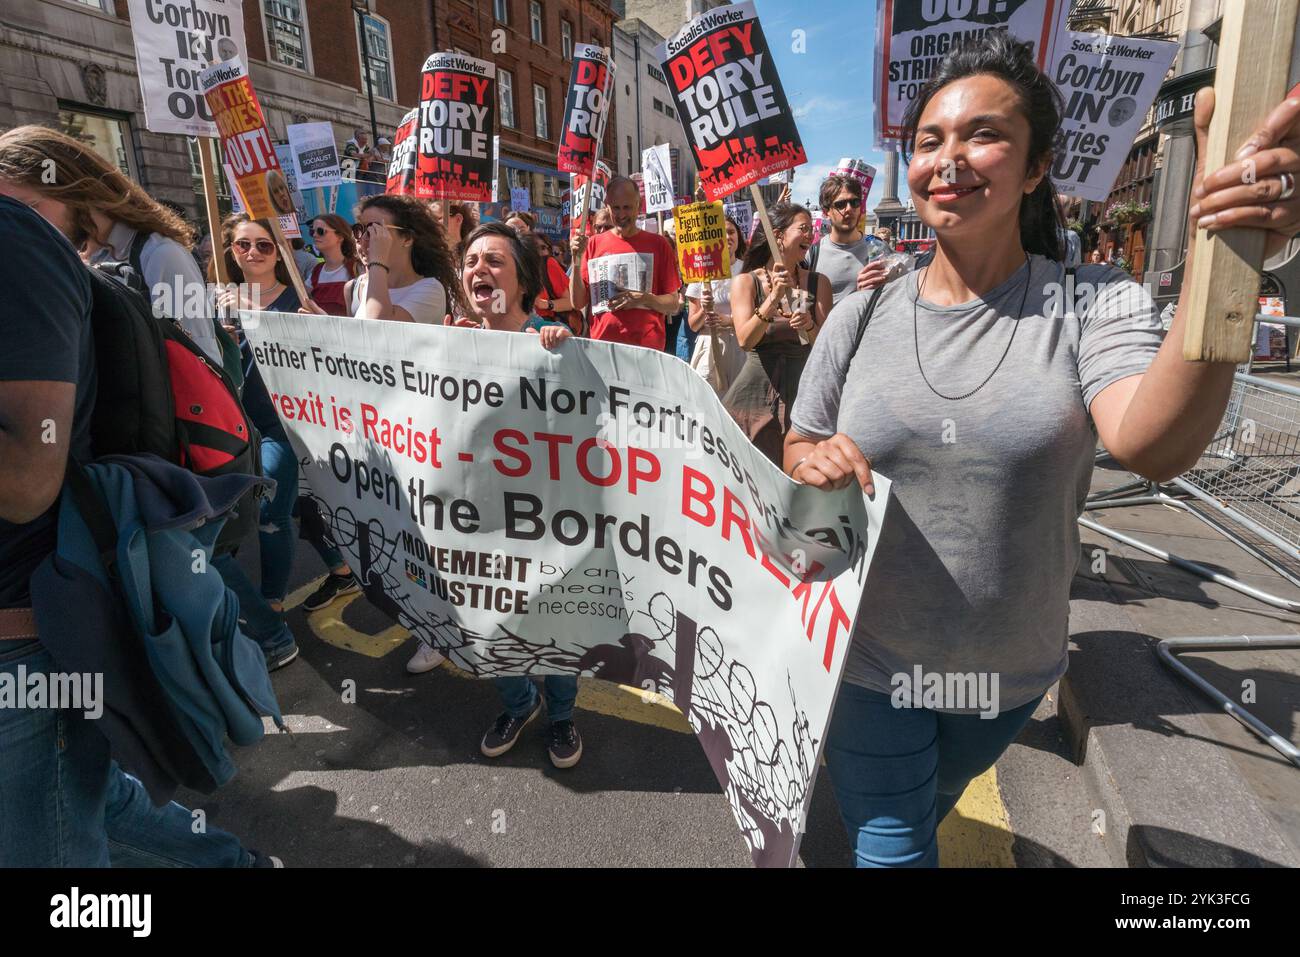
[
  {"x": 65, "y": 803},
  {"x": 897, "y": 772},
  {"x": 519, "y": 695},
  {"x": 275, "y": 532},
  {"x": 262, "y": 623}
]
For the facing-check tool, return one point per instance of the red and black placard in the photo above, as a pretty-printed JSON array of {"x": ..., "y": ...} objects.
[
  {"x": 730, "y": 101},
  {"x": 458, "y": 108},
  {"x": 586, "y": 109}
]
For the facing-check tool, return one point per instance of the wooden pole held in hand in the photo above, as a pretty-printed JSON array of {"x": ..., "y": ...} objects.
[
  {"x": 1223, "y": 286},
  {"x": 210, "y": 205}
]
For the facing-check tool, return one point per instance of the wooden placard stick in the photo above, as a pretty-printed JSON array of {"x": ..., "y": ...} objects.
[
  {"x": 210, "y": 206},
  {"x": 805, "y": 336},
  {"x": 286, "y": 253},
  {"x": 1254, "y": 58}
]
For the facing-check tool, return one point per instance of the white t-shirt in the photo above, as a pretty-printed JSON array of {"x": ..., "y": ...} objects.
[
  {"x": 328, "y": 276},
  {"x": 721, "y": 291},
  {"x": 424, "y": 299}
]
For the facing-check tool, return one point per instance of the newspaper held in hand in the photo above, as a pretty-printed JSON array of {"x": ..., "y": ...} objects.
[{"x": 611, "y": 275}]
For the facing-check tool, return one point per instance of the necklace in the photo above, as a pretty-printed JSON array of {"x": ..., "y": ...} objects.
[{"x": 916, "y": 338}]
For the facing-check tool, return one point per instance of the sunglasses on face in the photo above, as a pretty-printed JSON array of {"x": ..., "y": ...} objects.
[
  {"x": 263, "y": 246},
  {"x": 602, "y": 229},
  {"x": 846, "y": 204},
  {"x": 319, "y": 231}
]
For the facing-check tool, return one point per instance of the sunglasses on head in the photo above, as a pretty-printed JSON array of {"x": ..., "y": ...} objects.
[
  {"x": 845, "y": 204},
  {"x": 359, "y": 229},
  {"x": 264, "y": 246}
]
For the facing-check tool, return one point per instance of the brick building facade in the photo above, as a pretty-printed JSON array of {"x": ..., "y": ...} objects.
[{"x": 71, "y": 64}]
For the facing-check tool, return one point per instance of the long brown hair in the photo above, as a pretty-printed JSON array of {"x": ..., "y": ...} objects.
[
  {"x": 348, "y": 245},
  {"x": 233, "y": 269},
  {"x": 782, "y": 216},
  {"x": 430, "y": 255},
  {"x": 85, "y": 182}
]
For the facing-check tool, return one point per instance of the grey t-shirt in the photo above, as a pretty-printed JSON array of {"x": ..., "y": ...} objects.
[
  {"x": 972, "y": 571},
  {"x": 841, "y": 265}
]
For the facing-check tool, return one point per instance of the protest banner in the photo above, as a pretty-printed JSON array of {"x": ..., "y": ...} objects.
[
  {"x": 585, "y": 109},
  {"x": 913, "y": 36},
  {"x": 728, "y": 95},
  {"x": 402, "y": 166},
  {"x": 458, "y": 104},
  {"x": 315, "y": 155},
  {"x": 593, "y": 511},
  {"x": 288, "y": 224},
  {"x": 247, "y": 149},
  {"x": 858, "y": 169},
  {"x": 742, "y": 212},
  {"x": 702, "y": 251},
  {"x": 1108, "y": 84},
  {"x": 575, "y": 200},
  {"x": 657, "y": 175},
  {"x": 496, "y": 167},
  {"x": 174, "y": 41},
  {"x": 521, "y": 199}
]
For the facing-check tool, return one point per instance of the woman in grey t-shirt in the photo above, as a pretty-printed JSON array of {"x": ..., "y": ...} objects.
[{"x": 980, "y": 386}]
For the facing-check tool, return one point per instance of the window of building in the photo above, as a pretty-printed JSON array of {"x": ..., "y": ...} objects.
[
  {"x": 501, "y": 11},
  {"x": 566, "y": 39},
  {"x": 101, "y": 5},
  {"x": 506, "y": 85},
  {"x": 380, "y": 51},
  {"x": 286, "y": 32},
  {"x": 629, "y": 156},
  {"x": 658, "y": 107},
  {"x": 539, "y": 112},
  {"x": 106, "y": 135},
  {"x": 535, "y": 21},
  {"x": 668, "y": 112}
]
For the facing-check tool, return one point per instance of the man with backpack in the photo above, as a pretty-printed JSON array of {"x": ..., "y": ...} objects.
[
  {"x": 63, "y": 801},
  {"x": 844, "y": 254}
]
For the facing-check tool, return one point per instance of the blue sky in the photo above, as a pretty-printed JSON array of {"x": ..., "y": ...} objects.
[{"x": 830, "y": 85}]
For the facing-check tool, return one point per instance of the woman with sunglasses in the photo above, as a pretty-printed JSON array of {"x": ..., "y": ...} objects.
[
  {"x": 327, "y": 281},
  {"x": 253, "y": 261},
  {"x": 773, "y": 301},
  {"x": 409, "y": 268}
]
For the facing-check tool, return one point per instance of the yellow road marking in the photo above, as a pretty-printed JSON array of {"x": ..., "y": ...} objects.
[{"x": 978, "y": 832}]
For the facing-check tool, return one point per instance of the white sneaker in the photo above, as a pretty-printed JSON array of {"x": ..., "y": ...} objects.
[{"x": 425, "y": 659}]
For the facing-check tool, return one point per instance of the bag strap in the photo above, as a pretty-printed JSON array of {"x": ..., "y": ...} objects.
[
  {"x": 94, "y": 512},
  {"x": 136, "y": 255},
  {"x": 864, "y": 320},
  {"x": 812, "y": 284},
  {"x": 814, "y": 254}
]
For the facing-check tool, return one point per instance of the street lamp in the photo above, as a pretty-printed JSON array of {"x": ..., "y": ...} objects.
[{"x": 362, "y": 9}]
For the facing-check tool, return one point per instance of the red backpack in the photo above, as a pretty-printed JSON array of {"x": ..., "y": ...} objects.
[{"x": 158, "y": 392}]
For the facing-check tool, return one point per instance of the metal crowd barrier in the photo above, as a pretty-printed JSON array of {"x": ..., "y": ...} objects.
[{"x": 1246, "y": 486}]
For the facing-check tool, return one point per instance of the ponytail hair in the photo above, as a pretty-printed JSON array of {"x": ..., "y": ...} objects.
[{"x": 997, "y": 54}]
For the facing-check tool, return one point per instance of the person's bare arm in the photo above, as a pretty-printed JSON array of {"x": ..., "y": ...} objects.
[
  {"x": 577, "y": 285},
  {"x": 828, "y": 464},
  {"x": 35, "y": 435}
]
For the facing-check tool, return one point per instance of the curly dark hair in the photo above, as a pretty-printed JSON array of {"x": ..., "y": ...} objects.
[
  {"x": 528, "y": 264},
  {"x": 430, "y": 255}
]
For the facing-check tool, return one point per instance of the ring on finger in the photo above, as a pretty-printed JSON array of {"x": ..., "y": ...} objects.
[{"x": 1288, "y": 185}]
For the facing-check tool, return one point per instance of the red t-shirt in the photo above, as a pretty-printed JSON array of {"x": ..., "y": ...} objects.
[
  {"x": 645, "y": 262},
  {"x": 558, "y": 282}
]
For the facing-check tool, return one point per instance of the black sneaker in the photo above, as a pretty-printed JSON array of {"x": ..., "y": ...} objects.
[
  {"x": 282, "y": 657},
  {"x": 503, "y": 734},
  {"x": 334, "y": 586},
  {"x": 263, "y": 860},
  {"x": 564, "y": 744}
]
